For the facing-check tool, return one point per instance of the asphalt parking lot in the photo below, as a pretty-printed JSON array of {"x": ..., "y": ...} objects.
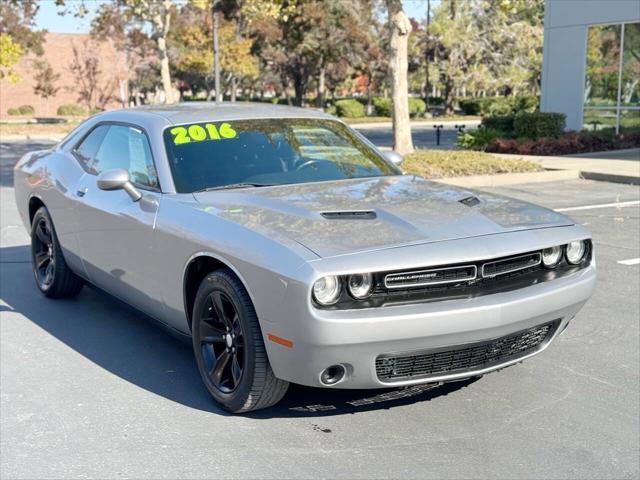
[{"x": 90, "y": 389}]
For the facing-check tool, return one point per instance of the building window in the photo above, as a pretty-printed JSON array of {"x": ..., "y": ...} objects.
[{"x": 612, "y": 86}]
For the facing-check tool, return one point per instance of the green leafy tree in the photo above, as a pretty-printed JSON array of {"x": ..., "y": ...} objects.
[{"x": 10, "y": 53}]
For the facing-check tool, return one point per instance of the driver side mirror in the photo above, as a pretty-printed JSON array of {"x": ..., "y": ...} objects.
[
  {"x": 393, "y": 156},
  {"x": 118, "y": 179}
]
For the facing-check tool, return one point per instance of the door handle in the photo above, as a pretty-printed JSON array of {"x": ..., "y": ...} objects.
[{"x": 82, "y": 191}]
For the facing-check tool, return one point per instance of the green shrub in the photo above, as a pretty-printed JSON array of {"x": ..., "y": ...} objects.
[
  {"x": 417, "y": 107},
  {"x": 477, "y": 139},
  {"x": 95, "y": 110},
  {"x": 330, "y": 109},
  {"x": 71, "y": 109},
  {"x": 471, "y": 106},
  {"x": 436, "y": 101},
  {"x": 524, "y": 103},
  {"x": 503, "y": 123},
  {"x": 21, "y": 110},
  {"x": 349, "y": 108},
  {"x": 382, "y": 106},
  {"x": 26, "y": 110},
  {"x": 539, "y": 124},
  {"x": 497, "y": 106}
]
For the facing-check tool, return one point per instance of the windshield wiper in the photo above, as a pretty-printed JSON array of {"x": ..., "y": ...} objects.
[{"x": 233, "y": 185}]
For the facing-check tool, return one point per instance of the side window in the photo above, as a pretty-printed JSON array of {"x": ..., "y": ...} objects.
[
  {"x": 87, "y": 150},
  {"x": 120, "y": 146}
]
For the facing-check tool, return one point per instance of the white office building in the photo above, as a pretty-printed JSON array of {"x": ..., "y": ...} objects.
[{"x": 591, "y": 63}]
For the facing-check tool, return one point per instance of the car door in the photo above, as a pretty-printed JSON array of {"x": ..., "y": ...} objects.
[{"x": 117, "y": 241}]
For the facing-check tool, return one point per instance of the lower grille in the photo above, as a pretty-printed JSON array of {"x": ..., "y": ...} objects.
[{"x": 465, "y": 358}]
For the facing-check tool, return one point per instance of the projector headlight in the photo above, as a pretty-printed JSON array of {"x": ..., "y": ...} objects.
[
  {"x": 326, "y": 290},
  {"x": 551, "y": 256},
  {"x": 576, "y": 252},
  {"x": 360, "y": 285}
]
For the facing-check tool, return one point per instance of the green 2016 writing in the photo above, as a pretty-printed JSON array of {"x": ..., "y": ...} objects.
[{"x": 199, "y": 133}]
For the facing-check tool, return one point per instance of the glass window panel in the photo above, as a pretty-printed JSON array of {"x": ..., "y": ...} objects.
[
  {"x": 599, "y": 119},
  {"x": 603, "y": 65},
  {"x": 629, "y": 121},
  {"x": 630, "y": 88}
]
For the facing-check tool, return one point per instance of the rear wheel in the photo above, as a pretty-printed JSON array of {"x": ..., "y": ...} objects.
[
  {"x": 52, "y": 275},
  {"x": 228, "y": 346}
]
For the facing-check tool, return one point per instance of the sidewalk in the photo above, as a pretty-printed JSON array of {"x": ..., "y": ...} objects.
[{"x": 618, "y": 166}]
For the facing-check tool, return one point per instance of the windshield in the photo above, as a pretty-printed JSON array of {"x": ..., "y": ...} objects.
[{"x": 268, "y": 152}]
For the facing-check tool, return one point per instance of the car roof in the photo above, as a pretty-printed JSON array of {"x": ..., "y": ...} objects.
[{"x": 193, "y": 112}]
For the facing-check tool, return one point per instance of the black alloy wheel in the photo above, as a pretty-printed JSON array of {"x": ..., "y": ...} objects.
[
  {"x": 222, "y": 342},
  {"x": 229, "y": 348},
  {"x": 52, "y": 275},
  {"x": 43, "y": 253}
]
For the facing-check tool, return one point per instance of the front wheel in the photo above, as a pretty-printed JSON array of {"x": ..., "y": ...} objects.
[
  {"x": 52, "y": 275},
  {"x": 228, "y": 346}
]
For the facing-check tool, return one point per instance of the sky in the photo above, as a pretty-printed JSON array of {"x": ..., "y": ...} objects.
[{"x": 49, "y": 19}]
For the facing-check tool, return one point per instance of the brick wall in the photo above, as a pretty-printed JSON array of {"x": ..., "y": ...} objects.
[{"x": 58, "y": 51}]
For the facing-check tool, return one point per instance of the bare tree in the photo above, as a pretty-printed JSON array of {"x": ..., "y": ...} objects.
[
  {"x": 400, "y": 28},
  {"x": 45, "y": 79},
  {"x": 89, "y": 85}
]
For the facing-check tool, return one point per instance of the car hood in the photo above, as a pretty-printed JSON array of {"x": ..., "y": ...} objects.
[{"x": 348, "y": 216}]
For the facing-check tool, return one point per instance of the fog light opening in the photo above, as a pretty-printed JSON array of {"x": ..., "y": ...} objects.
[{"x": 332, "y": 375}]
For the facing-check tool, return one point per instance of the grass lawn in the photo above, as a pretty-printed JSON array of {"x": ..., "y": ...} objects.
[
  {"x": 456, "y": 163},
  {"x": 32, "y": 129},
  {"x": 459, "y": 118}
]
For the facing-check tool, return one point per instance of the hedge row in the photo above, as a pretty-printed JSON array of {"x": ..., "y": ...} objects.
[
  {"x": 499, "y": 105},
  {"x": 21, "y": 110},
  {"x": 523, "y": 125},
  {"x": 71, "y": 109},
  {"x": 568, "y": 143}
]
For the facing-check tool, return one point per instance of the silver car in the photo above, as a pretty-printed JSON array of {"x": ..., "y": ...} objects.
[{"x": 290, "y": 249}]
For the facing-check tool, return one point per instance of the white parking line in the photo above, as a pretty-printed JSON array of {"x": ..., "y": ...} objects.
[
  {"x": 631, "y": 261},
  {"x": 601, "y": 205}
]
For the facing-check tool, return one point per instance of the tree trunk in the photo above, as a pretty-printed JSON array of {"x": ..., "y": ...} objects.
[
  {"x": 161, "y": 22},
  {"x": 400, "y": 28},
  {"x": 299, "y": 89},
  {"x": 369, "y": 96},
  {"x": 234, "y": 88},
  {"x": 321, "y": 87},
  {"x": 448, "y": 96}
]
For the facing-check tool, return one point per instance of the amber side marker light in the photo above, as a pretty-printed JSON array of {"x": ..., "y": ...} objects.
[{"x": 280, "y": 341}]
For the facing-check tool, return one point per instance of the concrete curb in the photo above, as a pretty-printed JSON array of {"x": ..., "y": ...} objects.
[
  {"x": 510, "y": 178},
  {"x": 610, "y": 177}
]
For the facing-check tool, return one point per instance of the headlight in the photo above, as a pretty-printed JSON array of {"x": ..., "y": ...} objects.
[
  {"x": 360, "y": 285},
  {"x": 576, "y": 251},
  {"x": 551, "y": 256},
  {"x": 326, "y": 291}
]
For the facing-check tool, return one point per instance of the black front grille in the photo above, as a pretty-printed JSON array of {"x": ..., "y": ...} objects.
[
  {"x": 464, "y": 358},
  {"x": 435, "y": 276},
  {"x": 511, "y": 264}
]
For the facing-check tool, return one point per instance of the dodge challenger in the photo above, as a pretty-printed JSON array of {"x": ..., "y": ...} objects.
[{"x": 291, "y": 250}]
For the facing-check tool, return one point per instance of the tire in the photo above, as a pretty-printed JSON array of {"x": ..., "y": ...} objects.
[
  {"x": 52, "y": 275},
  {"x": 226, "y": 336}
]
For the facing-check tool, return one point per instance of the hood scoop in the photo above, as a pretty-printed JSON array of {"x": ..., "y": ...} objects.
[
  {"x": 352, "y": 215},
  {"x": 471, "y": 201}
]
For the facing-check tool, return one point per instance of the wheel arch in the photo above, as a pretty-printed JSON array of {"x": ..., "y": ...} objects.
[
  {"x": 196, "y": 269},
  {"x": 35, "y": 203}
]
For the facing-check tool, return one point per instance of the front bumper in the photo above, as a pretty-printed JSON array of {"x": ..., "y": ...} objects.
[{"x": 356, "y": 338}]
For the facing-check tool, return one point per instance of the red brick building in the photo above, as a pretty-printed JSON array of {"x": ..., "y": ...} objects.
[{"x": 111, "y": 91}]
